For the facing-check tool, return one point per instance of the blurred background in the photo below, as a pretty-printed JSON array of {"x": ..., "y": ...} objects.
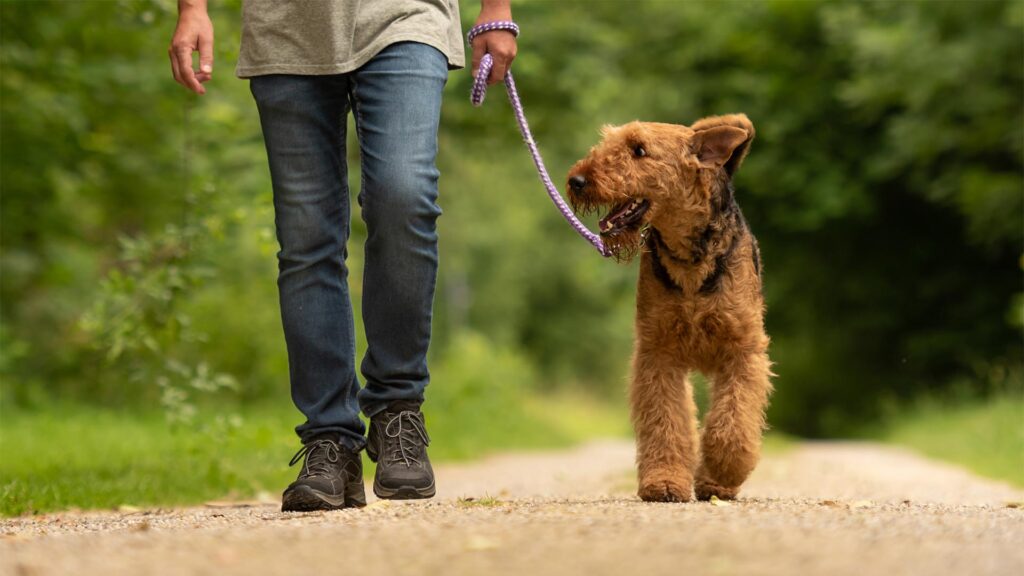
[{"x": 141, "y": 353}]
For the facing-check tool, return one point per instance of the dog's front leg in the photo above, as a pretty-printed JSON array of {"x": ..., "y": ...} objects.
[
  {"x": 731, "y": 440},
  {"x": 664, "y": 418}
]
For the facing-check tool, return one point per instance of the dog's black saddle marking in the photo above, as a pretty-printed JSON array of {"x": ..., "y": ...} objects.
[
  {"x": 727, "y": 220},
  {"x": 714, "y": 280},
  {"x": 656, "y": 245}
]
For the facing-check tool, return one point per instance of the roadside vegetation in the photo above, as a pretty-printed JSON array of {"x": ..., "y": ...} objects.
[
  {"x": 86, "y": 457},
  {"x": 985, "y": 435}
]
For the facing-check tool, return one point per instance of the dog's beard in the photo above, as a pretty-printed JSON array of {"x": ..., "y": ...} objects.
[
  {"x": 624, "y": 245},
  {"x": 583, "y": 207}
]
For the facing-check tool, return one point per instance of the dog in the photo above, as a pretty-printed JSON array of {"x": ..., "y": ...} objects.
[{"x": 669, "y": 196}]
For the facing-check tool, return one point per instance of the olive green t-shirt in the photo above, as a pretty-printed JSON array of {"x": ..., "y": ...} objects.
[{"x": 337, "y": 36}]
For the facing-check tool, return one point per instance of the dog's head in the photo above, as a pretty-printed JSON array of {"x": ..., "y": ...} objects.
[{"x": 650, "y": 174}]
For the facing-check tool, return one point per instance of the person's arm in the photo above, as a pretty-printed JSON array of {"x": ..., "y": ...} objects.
[
  {"x": 194, "y": 32},
  {"x": 500, "y": 44}
]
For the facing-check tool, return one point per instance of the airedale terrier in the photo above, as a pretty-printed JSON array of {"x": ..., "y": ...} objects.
[{"x": 699, "y": 302}]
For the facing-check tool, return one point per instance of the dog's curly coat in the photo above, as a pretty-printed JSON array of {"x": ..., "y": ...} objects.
[{"x": 699, "y": 302}]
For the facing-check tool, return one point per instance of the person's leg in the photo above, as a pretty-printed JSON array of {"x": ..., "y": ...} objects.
[
  {"x": 303, "y": 119},
  {"x": 396, "y": 99}
]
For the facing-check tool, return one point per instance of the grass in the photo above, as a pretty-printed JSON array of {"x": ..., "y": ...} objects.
[
  {"x": 87, "y": 457},
  {"x": 485, "y": 502},
  {"x": 985, "y": 436}
]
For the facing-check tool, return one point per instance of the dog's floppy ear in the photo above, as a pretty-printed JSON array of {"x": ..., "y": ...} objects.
[{"x": 723, "y": 140}]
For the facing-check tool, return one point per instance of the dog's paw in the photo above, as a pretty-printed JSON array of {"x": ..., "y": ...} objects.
[
  {"x": 705, "y": 489},
  {"x": 665, "y": 490}
]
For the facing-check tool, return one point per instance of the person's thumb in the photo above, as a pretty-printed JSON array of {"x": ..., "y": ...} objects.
[{"x": 478, "y": 53}]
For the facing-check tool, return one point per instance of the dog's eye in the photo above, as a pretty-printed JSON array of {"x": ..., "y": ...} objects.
[{"x": 639, "y": 151}]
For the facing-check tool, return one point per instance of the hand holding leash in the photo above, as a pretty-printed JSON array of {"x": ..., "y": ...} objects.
[{"x": 499, "y": 48}]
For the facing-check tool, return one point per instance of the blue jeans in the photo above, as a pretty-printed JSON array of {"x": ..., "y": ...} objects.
[{"x": 396, "y": 100}]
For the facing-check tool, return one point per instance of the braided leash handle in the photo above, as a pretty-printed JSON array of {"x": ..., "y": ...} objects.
[{"x": 477, "y": 98}]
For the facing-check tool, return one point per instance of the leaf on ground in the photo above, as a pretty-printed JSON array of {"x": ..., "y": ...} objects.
[
  {"x": 829, "y": 503},
  {"x": 485, "y": 502},
  {"x": 378, "y": 505},
  {"x": 1017, "y": 504},
  {"x": 716, "y": 501}
]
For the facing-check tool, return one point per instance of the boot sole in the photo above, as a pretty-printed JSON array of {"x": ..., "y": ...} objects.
[
  {"x": 404, "y": 492},
  {"x": 306, "y": 499}
]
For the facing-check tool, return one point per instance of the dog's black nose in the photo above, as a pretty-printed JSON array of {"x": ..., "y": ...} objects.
[{"x": 577, "y": 183}]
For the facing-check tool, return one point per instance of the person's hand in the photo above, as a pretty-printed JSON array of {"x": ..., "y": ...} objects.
[
  {"x": 194, "y": 32},
  {"x": 500, "y": 44}
]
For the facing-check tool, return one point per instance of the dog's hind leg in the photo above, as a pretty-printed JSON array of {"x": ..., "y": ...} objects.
[
  {"x": 664, "y": 418},
  {"x": 731, "y": 441}
]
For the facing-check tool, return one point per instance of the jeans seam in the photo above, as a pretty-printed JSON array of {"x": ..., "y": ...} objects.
[{"x": 357, "y": 116}]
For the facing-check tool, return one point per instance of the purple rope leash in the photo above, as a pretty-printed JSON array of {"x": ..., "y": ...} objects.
[{"x": 477, "y": 98}]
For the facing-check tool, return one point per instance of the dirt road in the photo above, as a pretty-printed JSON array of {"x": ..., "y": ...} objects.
[{"x": 828, "y": 508}]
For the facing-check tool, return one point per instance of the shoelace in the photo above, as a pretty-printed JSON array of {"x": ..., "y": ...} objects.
[
  {"x": 320, "y": 455},
  {"x": 409, "y": 427}
]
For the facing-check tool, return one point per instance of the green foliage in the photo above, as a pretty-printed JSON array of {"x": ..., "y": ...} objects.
[
  {"x": 138, "y": 324},
  {"x": 985, "y": 435},
  {"x": 134, "y": 458},
  {"x": 885, "y": 186}
]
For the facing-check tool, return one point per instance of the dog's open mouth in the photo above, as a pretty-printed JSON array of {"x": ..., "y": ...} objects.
[{"x": 625, "y": 215}]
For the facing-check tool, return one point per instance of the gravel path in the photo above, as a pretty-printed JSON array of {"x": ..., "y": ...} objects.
[{"x": 820, "y": 508}]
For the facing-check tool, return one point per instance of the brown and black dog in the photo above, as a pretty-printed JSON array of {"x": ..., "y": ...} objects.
[{"x": 670, "y": 197}]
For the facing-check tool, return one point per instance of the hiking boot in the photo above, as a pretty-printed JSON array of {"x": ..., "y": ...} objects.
[
  {"x": 398, "y": 442},
  {"x": 331, "y": 478}
]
